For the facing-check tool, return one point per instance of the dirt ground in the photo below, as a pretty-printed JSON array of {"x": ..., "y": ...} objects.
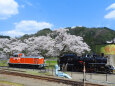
[
  {"x": 103, "y": 79},
  {"x": 108, "y": 80},
  {"x": 26, "y": 81}
]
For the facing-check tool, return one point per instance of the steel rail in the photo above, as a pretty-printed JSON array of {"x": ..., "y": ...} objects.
[{"x": 51, "y": 79}]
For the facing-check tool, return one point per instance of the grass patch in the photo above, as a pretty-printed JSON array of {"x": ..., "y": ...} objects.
[
  {"x": 3, "y": 77},
  {"x": 114, "y": 71},
  {"x": 50, "y": 64},
  {"x": 10, "y": 83},
  {"x": 3, "y": 63},
  {"x": 36, "y": 72},
  {"x": 32, "y": 72},
  {"x": 52, "y": 58},
  {"x": 29, "y": 71}
]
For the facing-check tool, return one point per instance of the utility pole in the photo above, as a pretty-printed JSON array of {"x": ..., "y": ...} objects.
[{"x": 84, "y": 70}]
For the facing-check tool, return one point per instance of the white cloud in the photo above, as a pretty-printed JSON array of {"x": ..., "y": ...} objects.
[
  {"x": 31, "y": 26},
  {"x": 27, "y": 27},
  {"x": 8, "y": 8},
  {"x": 12, "y": 33},
  {"x": 112, "y": 6},
  {"x": 111, "y": 14}
]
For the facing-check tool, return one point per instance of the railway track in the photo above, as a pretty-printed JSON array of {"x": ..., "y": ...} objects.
[
  {"x": 51, "y": 79},
  {"x": 19, "y": 69}
]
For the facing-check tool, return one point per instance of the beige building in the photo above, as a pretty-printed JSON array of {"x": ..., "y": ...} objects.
[{"x": 109, "y": 52}]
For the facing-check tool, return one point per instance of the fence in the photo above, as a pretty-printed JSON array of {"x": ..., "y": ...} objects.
[{"x": 106, "y": 79}]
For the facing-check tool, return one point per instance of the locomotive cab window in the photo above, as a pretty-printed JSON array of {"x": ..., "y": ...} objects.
[
  {"x": 15, "y": 55},
  {"x": 70, "y": 59},
  {"x": 20, "y": 55}
]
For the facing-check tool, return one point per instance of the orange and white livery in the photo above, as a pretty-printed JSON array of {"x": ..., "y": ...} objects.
[{"x": 21, "y": 59}]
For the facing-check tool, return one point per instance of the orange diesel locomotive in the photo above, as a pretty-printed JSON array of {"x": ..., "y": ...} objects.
[{"x": 19, "y": 59}]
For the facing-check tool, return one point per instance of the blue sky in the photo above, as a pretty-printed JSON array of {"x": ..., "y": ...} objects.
[{"x": 19, "y": 17}]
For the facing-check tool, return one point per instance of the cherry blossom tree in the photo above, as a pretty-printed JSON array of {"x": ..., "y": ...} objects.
[
  {"x": 66, "y": 43},
  {"x": 3, "y": 47},
  {"x": 40, "y": 45},
  {"x": 10, "y": 46},
  {"x": 15, "y": 45},
  {"x": 54, "y": 44}
]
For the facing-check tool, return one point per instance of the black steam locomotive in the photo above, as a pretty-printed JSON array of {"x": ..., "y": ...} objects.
[{"x": 93, "y": 63}]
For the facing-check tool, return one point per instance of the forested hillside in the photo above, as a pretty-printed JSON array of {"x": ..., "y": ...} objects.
[
  {"x": 43, "y": 32},
  {"x": 91, "y": 36},
  {"x": 1, "y": 36}
]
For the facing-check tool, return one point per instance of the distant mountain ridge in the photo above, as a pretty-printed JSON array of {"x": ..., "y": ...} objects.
[{"x": 1, "y": 36}]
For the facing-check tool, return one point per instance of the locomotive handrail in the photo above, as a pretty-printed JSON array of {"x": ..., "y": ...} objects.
[{"x": 96, "y": 63}]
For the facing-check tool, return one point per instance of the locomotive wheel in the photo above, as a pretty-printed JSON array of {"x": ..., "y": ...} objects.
[
  {"x": 10, "y": 65},
  {"x": 109, "y": 71}
]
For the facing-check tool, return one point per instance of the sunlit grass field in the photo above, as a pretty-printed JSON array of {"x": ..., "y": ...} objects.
[
  {"x": 50, "y": 64},
  {"x": 3, "y": 62}
]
